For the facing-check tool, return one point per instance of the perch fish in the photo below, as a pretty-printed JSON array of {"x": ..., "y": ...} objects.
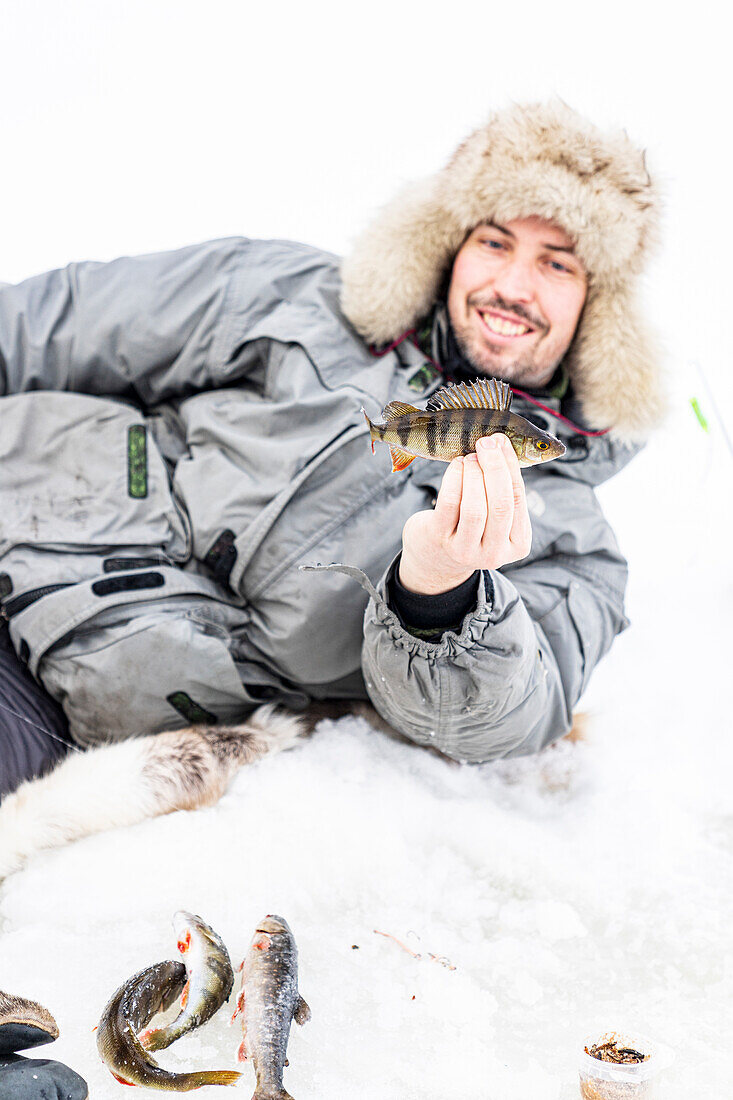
[
  {"x": 454, "y": 419},
  {"x": 132, "y": 1006},
  {"x": 209, "y": 980}
]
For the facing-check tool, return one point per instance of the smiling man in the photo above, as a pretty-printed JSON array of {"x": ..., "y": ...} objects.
[
  {"x": 515, "y": 298},
  {"x": 181, "y": 432}
]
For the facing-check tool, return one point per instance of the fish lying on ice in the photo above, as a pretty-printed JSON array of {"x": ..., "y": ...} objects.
[
  {"x": 268, "y": 1004},
  {"x": 454, "y": 419},
  {"x": 209, "y": 980},
  {"x": 132, "y": 1006}
]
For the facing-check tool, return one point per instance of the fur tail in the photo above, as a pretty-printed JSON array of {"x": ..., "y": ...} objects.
[{"x": 127, "y": 782}]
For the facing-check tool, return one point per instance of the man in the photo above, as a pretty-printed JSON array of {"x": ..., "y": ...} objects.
[{"x": 199, "y": 438}]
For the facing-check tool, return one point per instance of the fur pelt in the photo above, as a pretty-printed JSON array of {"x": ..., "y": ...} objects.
[
  {"x": 542, "y": 160},
  {"x": 129, "y": 781},
  {"x": 19, "y": 1010}
]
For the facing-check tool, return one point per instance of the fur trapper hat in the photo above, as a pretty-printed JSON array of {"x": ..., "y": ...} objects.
[{"x": 547, "y": 161}]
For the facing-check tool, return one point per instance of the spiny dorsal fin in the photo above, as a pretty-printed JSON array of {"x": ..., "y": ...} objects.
[
  {"x": 484, "y": 393},
  {"x": 397, "y": 408}
]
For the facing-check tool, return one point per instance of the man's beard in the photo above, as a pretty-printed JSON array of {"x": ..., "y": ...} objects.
[{"x": 487, "y": 358}]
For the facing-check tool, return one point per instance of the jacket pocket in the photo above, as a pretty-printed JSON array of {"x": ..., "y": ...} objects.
[
  {"x": 83, "y": 473},
  {"x": 132, "y": 653}
]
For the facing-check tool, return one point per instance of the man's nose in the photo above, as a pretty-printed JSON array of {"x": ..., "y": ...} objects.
[{"x": 514, "y": 282}]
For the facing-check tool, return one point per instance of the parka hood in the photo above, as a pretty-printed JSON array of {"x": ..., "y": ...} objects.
[{"x": 534, "y": 160}]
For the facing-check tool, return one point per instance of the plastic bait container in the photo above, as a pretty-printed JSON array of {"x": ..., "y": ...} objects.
[{"x": 601, "y": 1080}]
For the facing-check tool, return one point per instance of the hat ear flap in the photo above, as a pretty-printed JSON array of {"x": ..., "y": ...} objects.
[
  {"x": 614, "y": 364},
  {"x": 396, "y": 267}
]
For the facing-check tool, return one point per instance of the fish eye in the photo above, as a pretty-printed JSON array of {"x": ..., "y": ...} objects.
[{"x": 541, "y": 445}]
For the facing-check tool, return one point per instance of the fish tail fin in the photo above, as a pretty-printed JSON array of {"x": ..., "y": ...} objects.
[
  {"x": 204, "y": 1077},
  {"x": 372, "y": 430},
  {"x": 149, "y": 1038}
]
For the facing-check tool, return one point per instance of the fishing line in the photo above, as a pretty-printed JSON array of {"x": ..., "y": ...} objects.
[{"x": 50, "y": 733}]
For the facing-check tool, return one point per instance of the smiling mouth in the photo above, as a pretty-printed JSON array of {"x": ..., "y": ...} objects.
[{"x": 502, "y": 326}]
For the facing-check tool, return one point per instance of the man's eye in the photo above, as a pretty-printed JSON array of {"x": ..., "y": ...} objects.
[
  {"x": 498, "y": 245},
  {"x": 559, "y": 267}
]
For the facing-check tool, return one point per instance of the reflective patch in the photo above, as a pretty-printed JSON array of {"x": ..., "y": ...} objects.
[
  {"x": 535, "y": 503},
  {"x": 137, "y": 461},
  {"x": 222, "y": 556},
  {"x": 191, "y": 711},
  {"x": 129, "y": 582}
]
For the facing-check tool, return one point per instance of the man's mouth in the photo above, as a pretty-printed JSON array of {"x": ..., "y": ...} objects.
[{"x": 500, "y": 325}]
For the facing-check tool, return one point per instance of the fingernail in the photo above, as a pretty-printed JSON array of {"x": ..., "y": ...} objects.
[{"x": 487, "y": 441}]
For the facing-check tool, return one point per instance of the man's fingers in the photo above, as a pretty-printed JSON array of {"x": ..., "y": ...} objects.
[
  {"x": 472, "y": 522},
  {"x": 448, "y": 502},
  {"x": 499, "y": 491},
  {"x": 521, "y": 531}
]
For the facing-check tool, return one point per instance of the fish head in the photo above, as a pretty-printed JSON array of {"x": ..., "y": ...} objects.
[
  {"x": 188, "y": 928},
  {"x": 273, "y": 925},
  {"x": 533, "y": 446}
]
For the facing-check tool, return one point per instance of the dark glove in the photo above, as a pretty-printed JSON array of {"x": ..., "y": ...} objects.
[
  {"x": 24, "y": 1024},
  {"x": 39, "y": 1079}
]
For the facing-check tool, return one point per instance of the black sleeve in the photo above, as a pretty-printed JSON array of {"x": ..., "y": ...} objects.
[{"x": 428, "y": 617}]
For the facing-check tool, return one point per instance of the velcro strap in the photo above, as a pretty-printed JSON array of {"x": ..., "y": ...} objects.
[{"x": 47, "y": 620}]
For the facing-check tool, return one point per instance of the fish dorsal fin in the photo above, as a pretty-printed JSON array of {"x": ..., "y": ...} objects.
[
  {"x": 397, "y": 408},
  {"x": 484, "y": 393}
]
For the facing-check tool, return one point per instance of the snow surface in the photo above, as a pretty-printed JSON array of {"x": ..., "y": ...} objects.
[{"x": 588, "y": 887}]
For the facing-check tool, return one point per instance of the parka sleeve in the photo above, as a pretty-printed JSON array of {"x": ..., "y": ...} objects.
[
  {"x": 506, "y": 684},
  {"x": 144, "y": 328}
]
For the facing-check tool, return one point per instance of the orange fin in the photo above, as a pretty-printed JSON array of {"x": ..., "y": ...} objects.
[
  {"x": 122, "y": 1080},
  {"x": 400, "y": 459}
]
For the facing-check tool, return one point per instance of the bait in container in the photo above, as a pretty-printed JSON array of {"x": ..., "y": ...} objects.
[{"x": 626, "y": 1067}]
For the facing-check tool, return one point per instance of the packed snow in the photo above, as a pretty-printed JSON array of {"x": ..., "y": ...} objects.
[
  {"x": 561, "y": 895},
  {"x": 585, "y": 888}
]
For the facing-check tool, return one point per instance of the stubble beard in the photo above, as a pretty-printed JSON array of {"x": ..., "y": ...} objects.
[{"x": 528, "y": 369}]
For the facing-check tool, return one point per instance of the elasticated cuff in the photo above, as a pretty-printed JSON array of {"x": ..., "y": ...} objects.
[{"x": 430, "y": 616}]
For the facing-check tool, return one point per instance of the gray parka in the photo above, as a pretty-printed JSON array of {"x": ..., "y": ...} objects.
[{"x": 182, "y": 432}]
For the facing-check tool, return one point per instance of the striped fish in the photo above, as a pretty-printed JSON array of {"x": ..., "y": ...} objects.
[{"x": 454, "y": 419}]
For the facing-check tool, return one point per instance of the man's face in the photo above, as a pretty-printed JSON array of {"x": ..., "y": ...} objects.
[{"x": 515, "y": 298}]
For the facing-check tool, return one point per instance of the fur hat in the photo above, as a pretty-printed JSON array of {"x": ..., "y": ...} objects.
[{"x": 543, "y": 160}]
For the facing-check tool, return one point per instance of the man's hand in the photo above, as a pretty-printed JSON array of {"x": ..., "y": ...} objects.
[{"x": 480, "y": 521}]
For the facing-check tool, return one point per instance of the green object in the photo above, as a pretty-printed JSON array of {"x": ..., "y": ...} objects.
[
  {"x": 192, "y": 711},
  {"x": 699, "y": 414},
  {"x": 423, "y": 377},
  {"x": 137, "y": 461}
]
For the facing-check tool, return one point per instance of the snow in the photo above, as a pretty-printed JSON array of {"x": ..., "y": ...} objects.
[{"x": 584, "y": 889}]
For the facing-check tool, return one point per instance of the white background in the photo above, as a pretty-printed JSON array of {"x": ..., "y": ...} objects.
[{"x": 574, "y": 891}]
